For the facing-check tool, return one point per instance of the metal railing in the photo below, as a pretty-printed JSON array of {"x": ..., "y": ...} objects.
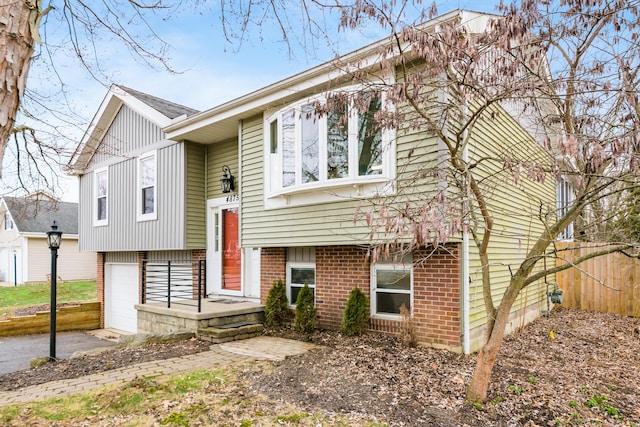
[{"x": 173, "y": 282}]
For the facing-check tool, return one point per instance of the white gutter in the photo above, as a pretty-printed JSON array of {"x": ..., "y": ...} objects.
[{"x": 367, "y": 56}]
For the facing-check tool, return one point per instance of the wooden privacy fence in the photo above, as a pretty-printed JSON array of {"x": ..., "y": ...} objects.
[{"x": 609, "y": 283}]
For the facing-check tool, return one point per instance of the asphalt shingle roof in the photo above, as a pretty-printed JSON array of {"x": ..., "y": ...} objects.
[
  {"x": 36, "y": 215},
  {"x": 168, "y": 108}
]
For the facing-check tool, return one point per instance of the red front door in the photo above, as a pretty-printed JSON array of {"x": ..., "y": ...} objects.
[{"x": 231, "y": 254}]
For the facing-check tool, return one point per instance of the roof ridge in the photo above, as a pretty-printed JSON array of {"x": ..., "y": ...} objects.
[{"x": 159, "y": 104}]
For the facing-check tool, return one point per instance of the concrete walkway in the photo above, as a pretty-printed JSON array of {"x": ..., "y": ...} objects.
[{"x": 259, "y": 348}]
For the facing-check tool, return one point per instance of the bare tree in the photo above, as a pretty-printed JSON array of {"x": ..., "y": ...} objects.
[
  {"x": 35, "y": 120},
  {"x": 568, "y": 72},
  {"x": 37, "y": 143}
]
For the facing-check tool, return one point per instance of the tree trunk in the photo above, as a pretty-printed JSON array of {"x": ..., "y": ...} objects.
[
  {"x": 479, "y": 385},
  {"x": 18, "y": 31}
]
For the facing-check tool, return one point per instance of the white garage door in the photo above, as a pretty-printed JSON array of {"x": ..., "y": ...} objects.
[{"x": 120, "y": 296}]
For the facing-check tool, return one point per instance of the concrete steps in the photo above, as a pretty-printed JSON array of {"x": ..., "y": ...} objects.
[{"x": 230, "y": 332}]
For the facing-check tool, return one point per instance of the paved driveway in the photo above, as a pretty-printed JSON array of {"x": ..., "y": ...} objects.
[{"x": 17, "y": 352}]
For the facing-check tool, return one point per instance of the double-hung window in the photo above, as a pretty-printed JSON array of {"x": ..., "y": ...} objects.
[
  {"x": 147, "y": 194},
  {"x": 342, "y": 147},
  {"x": 299, "y": 274},
  {"x": 391, "y": 288},
  {"x": 8, "y": 222},
  {"x": 101, "y": 196}
]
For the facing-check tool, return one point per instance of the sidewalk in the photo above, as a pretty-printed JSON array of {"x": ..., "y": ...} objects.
[{"x": 259, "y": 348}]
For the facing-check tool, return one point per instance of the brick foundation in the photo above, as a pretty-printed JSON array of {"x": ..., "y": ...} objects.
[
  {"x": 100, "y": 258},
  {"x": 436, "y": 296},
  {"x": 436, "y": 293},
  {"x": 142, "y": 255},
  {"x": 198, "y": 255},
  {"x": 273, "y": 266},
  {"x": 339, "y": 269}
]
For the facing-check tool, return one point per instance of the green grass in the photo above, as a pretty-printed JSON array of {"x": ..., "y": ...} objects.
[
  {"x": 202, "y": 397},
  {"x": 26, "y": 295}
]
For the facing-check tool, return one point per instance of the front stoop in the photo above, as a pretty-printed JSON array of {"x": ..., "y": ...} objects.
[
  {"x": 218, "y": 322},
  {"x": 230, "y": 332}
]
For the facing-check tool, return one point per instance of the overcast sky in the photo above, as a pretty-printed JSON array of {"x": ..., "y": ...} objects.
[{"x": 211, "y": 70}]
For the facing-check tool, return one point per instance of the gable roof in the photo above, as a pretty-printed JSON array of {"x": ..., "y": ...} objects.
[
  {"x": 157, "y": 110},
  {"x": 220, "y": 122},
  {"x": 36, "y": 215},
  {"x": 167, "y": 108}
]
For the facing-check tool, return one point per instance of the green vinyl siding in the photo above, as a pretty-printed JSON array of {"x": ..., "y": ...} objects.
[
  {"x": 195, "y": 202},
  {"x": 325, "y": 223},
  {"x": 218, "y": 155},
  {"x": 516, "y": 209}
]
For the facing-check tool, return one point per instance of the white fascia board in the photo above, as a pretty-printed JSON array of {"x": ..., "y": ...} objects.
[
  {"x": 44, "y": 235},
  {"x": 141, "y": 107},
  {"x": 262, "y": 98}
]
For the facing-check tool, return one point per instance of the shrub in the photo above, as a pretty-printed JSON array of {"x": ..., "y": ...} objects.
[
  {"x": 356, "y": 314},
  {"x": 276, "y": 310},
  {"x": 306, "y": 315}
]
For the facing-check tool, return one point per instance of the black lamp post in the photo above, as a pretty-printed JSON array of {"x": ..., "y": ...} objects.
[
  {"x": 54, "y": 237},
  {"x": 15, "y": 268}
]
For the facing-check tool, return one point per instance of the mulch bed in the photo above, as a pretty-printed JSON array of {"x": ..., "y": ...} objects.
[{"x": 585, "y": 372}]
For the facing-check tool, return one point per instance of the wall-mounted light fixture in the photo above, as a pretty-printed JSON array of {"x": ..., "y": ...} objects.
[{"x": 227, "y": 182}]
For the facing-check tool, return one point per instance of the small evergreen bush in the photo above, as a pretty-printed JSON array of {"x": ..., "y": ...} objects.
[
  {"x": 276, "y": 310},
  {"x": 356, "y": 314},
  {"x": 306, "y": 315}
]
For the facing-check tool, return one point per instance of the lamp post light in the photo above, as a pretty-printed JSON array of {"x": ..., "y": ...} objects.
[
  {"x": 15, "y": 268},
  {"x": 54, "y": 236}
]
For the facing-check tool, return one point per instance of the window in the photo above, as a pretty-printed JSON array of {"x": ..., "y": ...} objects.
[
  {"x": 564, "y": 200},
  {"x": 297, "y": 275},
  {"x": 8, "y": 222},
  {"x": 147, "y": 187},
  {"x": 391, "y": 288},
  {"x": 344, "y": 147},
  {"x": 101, "y": 191}
]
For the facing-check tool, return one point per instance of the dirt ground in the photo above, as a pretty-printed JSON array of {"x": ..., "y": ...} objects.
[{"x": 575, "y": 368}]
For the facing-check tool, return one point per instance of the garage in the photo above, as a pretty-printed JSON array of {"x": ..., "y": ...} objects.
[{"x": 120, "y": 296}]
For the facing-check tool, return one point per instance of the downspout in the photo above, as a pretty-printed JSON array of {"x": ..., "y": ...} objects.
[
  {"x": 243, "y": 267},
  {"x": 466, "y": 277}
]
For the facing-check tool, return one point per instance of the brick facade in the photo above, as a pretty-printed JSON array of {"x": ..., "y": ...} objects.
[
  {"x": 339, "y": 269},
  {"x": 100, "y": 283},
  {"x": 198, "y": 271},
  {"x": 273, "y": 266},
  {"x": 436, "y": 289},
  {"x": 436, "y": 296},
  {"x": 142, "y": 256}
]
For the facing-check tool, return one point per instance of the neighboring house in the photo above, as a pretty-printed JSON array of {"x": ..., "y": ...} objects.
[
  {"x": 150, "y": 188},
  {"x": 24, "y": 254}
]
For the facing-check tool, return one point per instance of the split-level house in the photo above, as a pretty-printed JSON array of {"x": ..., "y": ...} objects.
[
  {"x": 237, "y": 186},
  {"x": 24, "y": 254}
]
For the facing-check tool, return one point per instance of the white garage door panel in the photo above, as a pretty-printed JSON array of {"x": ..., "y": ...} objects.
[{"x": 121, "y": 294}]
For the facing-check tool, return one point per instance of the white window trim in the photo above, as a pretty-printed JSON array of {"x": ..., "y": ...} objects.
[
  {"x": 374, "y": 293},
  {"x": 325, "y": 190},
  {"x": 8, "y": 221},
  {"x": 293, "y": 264},
  {"x": 564, "y": 188},
  {"x": 139, "y": 202},
  {"x": 100, "y": 222}
]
